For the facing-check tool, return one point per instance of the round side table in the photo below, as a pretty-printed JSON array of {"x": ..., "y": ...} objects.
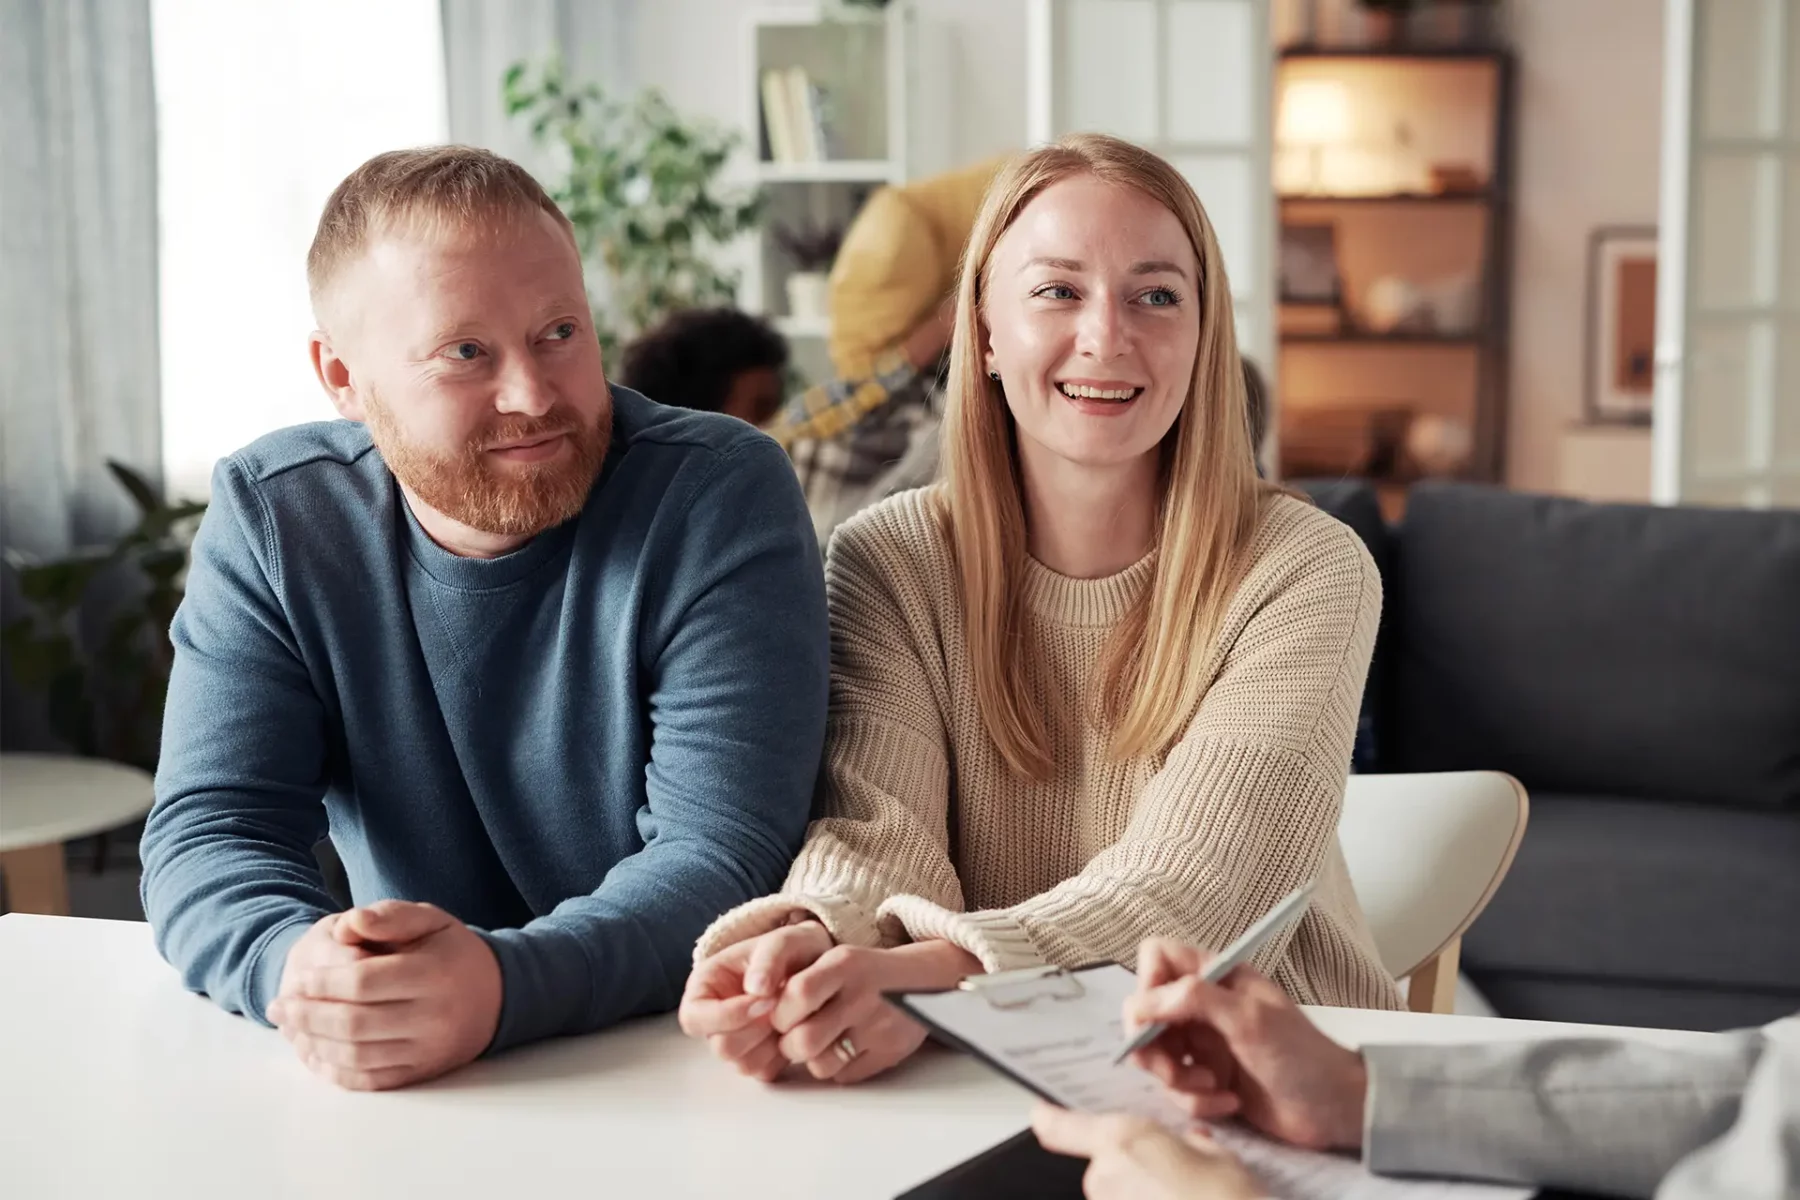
[{"x": 46, "y": 799}]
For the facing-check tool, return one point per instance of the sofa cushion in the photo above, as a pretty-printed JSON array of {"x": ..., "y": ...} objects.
[
  {"x": 1622, "y": 649},
  {"x": 1648, "y": 892},
  {"x": 1355, "y": 503},
  {"x": 1605, "y": 1002}
]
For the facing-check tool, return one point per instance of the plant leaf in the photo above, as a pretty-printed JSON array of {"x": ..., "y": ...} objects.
[{"x": 146, "y": 497}]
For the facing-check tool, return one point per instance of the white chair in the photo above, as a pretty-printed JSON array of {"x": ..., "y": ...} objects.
[{"x": 1426, "y": 853}]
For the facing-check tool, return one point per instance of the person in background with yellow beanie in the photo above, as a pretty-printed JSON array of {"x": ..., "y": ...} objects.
[{"x": 872, "y": 430}]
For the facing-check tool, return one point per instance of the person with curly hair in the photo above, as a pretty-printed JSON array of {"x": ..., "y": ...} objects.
[{"x": 712, "y": 359}]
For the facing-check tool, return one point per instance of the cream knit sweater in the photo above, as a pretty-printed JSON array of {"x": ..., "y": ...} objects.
[{"x": 924, "y": 832}]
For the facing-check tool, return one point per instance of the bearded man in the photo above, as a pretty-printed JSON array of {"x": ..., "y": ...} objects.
[{"x": 504, "y": 634}]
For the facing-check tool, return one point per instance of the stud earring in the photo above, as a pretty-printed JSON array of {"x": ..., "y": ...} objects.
[{"x": 994, "y": 375}]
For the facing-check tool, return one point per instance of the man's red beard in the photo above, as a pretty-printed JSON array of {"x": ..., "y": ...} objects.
[{"x": 516, "y": 500}]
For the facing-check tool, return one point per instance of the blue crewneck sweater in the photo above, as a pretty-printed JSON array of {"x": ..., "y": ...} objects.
[{"x": 586, "y": 749}]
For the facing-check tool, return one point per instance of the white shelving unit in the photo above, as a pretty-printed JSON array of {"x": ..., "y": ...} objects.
[
  {"x": 861, "y": 65},
  {"x": 872, "y": 170},
  {"x": 803, "y": 327}
]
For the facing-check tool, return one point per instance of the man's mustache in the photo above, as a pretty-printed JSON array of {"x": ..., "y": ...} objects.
[{"x": 528, "y": 429}]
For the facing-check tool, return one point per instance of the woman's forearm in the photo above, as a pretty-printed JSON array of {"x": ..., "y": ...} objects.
[{"x": 933, "y": 964}]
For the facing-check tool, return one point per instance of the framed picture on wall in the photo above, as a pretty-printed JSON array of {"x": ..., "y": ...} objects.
[{"x": 1621, "y": 325}]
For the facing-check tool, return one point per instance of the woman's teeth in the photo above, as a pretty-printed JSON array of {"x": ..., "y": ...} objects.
[{"x": 1076, "y": 391}]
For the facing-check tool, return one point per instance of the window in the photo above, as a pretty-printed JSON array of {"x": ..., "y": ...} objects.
[{"x": 262, "y": 108}]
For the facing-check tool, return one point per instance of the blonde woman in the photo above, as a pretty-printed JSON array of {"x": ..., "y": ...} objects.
[{"x": 1098, "y": 685}]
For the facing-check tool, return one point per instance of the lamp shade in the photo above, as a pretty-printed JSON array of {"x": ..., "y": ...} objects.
[{"x": 1314, "y": 112}]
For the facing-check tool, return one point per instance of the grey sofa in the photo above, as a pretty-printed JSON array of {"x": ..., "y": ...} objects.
[{"x": 1638, "y": 669}]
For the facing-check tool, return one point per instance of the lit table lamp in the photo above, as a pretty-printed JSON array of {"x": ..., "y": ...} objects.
[{"x": 1315, "y": 113}]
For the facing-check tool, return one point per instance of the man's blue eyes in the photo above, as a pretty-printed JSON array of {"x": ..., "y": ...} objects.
[{"x": 470, "y": 351}]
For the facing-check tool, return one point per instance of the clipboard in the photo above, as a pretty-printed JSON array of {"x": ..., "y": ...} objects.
[
  {"x": 1051, "y": 1030},
  {"x": 1017, "y": 1167}
]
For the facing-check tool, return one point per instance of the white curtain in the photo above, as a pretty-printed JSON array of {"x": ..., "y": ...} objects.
[
  {"x": 78, "y": 251},
  {"x": 594, "y": 39}
]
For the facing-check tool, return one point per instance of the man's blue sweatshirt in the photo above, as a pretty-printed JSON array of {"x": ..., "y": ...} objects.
[{"x": 586, "y": 749}]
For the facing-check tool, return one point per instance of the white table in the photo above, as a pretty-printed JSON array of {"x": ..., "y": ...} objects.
[
  {"x": 113, "y": 1081},
  {"x": 46, "y": 799}
]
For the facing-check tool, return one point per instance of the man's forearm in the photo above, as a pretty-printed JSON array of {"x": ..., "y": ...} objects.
[
  {"x": 225, "y": 916},
  {"x": 230, "y": 881},
  {"x": 225, "y": 901},
  {"x": 591, "y": 963}
]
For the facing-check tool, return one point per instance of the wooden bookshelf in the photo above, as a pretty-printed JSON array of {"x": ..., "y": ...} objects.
[{"x": 1458, "y": 105}]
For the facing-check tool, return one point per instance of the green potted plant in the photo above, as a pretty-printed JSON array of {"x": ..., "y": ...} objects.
[
  {"x": 642, "y": 185},
  {"x": 97, "y": 657}
]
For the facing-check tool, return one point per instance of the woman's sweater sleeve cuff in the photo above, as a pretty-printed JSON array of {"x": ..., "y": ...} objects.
[
  {"x": 995, "y": 937},
  {"x": 848, "y": 922}
]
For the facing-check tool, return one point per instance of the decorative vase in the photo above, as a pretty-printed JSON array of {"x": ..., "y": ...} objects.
[
  {"x": 809, "y": 294},
  {"x": 1391, "y": 305},
  {"x": 1438, "y": 446}
]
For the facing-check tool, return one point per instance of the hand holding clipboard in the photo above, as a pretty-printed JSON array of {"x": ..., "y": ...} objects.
[{"x": 1058, "y": 1031}]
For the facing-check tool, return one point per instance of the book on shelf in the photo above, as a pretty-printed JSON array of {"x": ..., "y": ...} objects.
[
  {"x": 796, "y": 112},
  {"x": 775, "y": 117}
]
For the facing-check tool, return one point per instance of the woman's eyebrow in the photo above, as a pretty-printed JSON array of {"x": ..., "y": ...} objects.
[
  {"x": 1152, "y": 266},
  {"x": 1157, "y": 266}
]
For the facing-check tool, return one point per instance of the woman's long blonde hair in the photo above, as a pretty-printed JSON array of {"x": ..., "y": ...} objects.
[{"x": 1150, "y": 681}]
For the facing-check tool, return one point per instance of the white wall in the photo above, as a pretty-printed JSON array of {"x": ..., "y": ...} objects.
[
  {"x": 986, "y": 74},
  {"x": 1589, "y": 106}
]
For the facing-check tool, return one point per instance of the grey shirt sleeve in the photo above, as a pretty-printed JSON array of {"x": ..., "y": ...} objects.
[
  {"x": 1758, "y": 1158},
  {"x": 1599, "y": 1115}
]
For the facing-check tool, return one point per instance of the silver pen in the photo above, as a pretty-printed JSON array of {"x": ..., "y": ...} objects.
[{"x": 1248, "y": 943}]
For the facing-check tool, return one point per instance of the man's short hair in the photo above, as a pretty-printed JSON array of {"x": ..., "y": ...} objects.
[
  {"x": 430, "y": 185},
  {"x": 691, "y": 357}
]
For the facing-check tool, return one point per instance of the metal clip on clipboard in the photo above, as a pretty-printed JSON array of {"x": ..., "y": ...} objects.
[{"x": 1006, "y": 990}]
